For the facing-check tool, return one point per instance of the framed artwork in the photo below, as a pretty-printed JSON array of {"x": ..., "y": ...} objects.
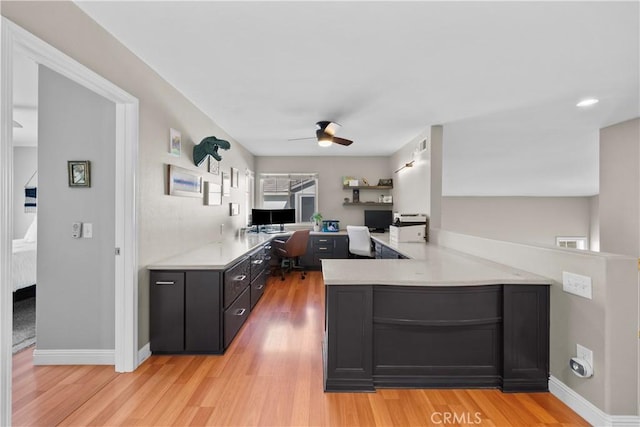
[
  {"x": 234, "y": 209},
  {"x": 226, "y": 184},
  {"x": 212, "y": 194},
  {"x": 183, "y": 182},
  {"x": 175, "y": 142},
  {"x": 235, "y": 177},
  {"x": 214, "y": 166},
  {"x": 79, "y": 173}
]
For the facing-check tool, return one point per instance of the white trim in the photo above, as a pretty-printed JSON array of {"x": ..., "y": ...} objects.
[
  {"x": 73, "y": 357},
  {"x": 144, "y": 353},
  {"x": 125, "y": 356},
  {"x": 592, "y": 414},
  {"x": 6, "y": 221}
]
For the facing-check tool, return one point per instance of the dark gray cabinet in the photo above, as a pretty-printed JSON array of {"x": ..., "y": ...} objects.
[
  {"x": 201, "y": 311},
  {"x": 385, "y": 252},
  {"x": 325, "y": 246},
  {"x": 185, "y": 312},
  {"x": 442, "y": 337}
]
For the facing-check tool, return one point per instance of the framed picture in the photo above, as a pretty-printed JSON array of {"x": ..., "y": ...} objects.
[
  {"x": 79, "y": 173},
  {"x": 234, "y": 209},
  {"x": 226, "y": 184},
  {"x": 175, "y": 142},
  {"x": 235, "y": 177},
  {"x": 214, "y": 166},
  {"x": 183, "y": 182},
  {"x": 212, "y": 194}
]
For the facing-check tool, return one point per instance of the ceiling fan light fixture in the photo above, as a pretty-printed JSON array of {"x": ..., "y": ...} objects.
[{"x": 325, "y": 142}]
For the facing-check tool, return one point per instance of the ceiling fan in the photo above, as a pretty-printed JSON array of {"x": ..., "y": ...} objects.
[{"x": 325, "y": 133}]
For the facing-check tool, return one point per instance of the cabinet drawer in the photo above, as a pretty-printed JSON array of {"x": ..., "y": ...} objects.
[
  {"x": 235, "y": 316},
  {"x": 236, "y": 279},
  {"x": 323, "y": 249},
  {"x": 258, "y": 263},
  {"x": 465, "y": 305},
  {"x": 257, "y": 288}
]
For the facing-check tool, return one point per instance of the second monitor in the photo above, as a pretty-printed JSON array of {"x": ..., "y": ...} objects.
[{"x": 378, "y": 221}]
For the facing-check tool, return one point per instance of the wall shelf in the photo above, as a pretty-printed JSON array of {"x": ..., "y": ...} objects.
[
  {"x": 366, "y": 204},
  {"x": 367, "y": 187}
]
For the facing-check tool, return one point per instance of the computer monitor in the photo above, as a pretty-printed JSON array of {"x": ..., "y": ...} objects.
[
  {"x": 378, "y": 221},
  {"x": 283, "y": 216},
  {"x": 260, "y": 216}
]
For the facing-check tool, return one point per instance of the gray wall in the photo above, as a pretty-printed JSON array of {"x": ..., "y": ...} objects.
[
  {"x": 331, "y": 170},
  {"x": 25, "y": 162},
  {"x": 533, "y": 220},
  {"x": 619, "y": 202},
  {"x": 167, "y": 225},
  {"x": 411, "y": 193},
  {"x": 75, "y": 299}
]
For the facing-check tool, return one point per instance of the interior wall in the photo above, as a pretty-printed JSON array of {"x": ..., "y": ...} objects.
[
  {"x": 330, "y": 172},
  {"x": 25, "y": 163},
  {"x": 75, "y": 296},
  {"x": 619, "y": 201},
  {"x": 411, "y": 192},
  {"x": 533, "y": 220},
  {"x": 594, "y": 227},
  {"x": 167, "y": 225}
]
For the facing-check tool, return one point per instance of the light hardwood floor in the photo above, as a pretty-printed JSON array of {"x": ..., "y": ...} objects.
[{"x": 271, "y": 375}]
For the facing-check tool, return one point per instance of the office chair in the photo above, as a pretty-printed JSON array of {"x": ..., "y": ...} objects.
[
  {"x": 359, "y": 241},
  {"x": 290, "y": 250}
]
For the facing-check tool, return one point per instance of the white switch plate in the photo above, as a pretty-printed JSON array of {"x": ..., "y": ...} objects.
[
  {"x": 576, "y": 284},
  {"x": 87, "y": 230},
  {"x": 584, "y": 354}
]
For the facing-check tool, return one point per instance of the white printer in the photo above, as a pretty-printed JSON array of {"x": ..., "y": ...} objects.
[{"x": 409, "y": 228}]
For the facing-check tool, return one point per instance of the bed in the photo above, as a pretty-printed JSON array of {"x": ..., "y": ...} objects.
[{"x": 24, "y": 259}]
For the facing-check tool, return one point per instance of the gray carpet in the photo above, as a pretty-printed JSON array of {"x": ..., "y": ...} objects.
[{"x": 24, "y": 324}]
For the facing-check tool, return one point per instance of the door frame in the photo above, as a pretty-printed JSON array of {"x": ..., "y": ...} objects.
[{"x": 15, "y": 39}]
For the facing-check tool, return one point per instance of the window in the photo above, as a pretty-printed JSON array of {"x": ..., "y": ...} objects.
[
  {"x": 572, "y": 242},
  {"x": 289, "y": 191}
]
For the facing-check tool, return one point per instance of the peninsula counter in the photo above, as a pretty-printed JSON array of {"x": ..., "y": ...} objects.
[{"x": 441, "y": 320}]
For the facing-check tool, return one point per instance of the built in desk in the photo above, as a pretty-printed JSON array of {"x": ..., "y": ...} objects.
[{"x": 441, "y": 319}]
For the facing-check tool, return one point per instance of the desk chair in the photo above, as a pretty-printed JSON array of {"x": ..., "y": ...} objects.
[
  {"x": 290, "y": 250},
  {"x": 359, "y": 241}
]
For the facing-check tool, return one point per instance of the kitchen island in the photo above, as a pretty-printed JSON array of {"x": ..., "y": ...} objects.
[{"x": 441, "y": 319}]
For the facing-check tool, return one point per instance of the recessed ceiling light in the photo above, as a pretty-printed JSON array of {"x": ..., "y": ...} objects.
[{"x": 587, "y": 102}]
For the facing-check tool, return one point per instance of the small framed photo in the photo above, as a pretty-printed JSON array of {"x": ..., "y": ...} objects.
[
  {"x": 212, "y": 194},
  {"x": 175, "y": 142},
  {"x": 226, "y": 184},
  {"x": 79, "y": 173},
  {"x": 234, "y": 209},
  {"x": 235, "y": 177},
  {"x": 214, "y": 166}
]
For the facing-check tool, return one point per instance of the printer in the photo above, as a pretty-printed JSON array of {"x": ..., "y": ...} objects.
[{"x": 409, "y": 227}]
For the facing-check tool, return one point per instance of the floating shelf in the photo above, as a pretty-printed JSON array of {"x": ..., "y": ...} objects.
[
  {"x": 366, "y": 204},
  {"x": 368, "y": 187}
]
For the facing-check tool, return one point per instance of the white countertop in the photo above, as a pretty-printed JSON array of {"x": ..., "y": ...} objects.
[
  {"x": 220, "y": 255},
  {"x": 430, "y": 265}
]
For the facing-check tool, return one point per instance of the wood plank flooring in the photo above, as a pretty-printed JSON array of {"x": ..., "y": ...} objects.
[{"x": 270, "y": 376}]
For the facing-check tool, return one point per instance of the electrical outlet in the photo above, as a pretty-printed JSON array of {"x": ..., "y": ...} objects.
[
  {"x": 576, "y": 284},
  {"x": 584, "y": 354}
]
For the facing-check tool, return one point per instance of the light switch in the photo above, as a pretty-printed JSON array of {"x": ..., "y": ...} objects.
[
  {"x": 576, "y": 284},
  {"x": 87, "y": 230}
]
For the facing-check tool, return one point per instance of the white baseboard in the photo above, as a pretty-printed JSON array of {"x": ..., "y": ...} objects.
[
  {"x": 586, "y": 409},
  {"x": 144, "y": 353},
  {"x": 73, "y": 357}
]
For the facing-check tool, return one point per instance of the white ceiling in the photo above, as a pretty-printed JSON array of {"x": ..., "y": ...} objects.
[{"x": 503, "y": 77}]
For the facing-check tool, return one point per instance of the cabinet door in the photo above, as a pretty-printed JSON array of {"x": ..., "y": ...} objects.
[
  {"x": 341, "y": 247},
  {"x": 202, "y": 312},
  {"x": 235, "y": 316},
  {"x": 307, "y": 260},
  {"x": 167, "y": 311}
]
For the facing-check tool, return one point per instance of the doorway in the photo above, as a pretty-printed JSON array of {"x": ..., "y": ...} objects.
[{"x": 15, "y": 39}]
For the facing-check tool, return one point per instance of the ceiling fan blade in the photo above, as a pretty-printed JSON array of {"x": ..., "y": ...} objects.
[
  {"x": 300, "y": 139},
  {"x": 342, "y": 141}
]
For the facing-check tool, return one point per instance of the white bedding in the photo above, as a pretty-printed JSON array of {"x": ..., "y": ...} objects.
[{"x": 24, "y": 264}]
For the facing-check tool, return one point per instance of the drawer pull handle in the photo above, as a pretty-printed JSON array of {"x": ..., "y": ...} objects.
[
  {"x": 259, "y": 287},
  {"x": 166, "y": 283},
  {"x": 322, "y": 240},
  {"x": 322, "y": 248},
  {"x": 258, "y": 261},
  {"x": 240, "y": 278},
  {"x": 240, "y": 312}
]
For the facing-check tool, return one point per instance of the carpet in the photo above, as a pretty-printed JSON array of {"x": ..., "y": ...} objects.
[{"x": 24, "y": 324}]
